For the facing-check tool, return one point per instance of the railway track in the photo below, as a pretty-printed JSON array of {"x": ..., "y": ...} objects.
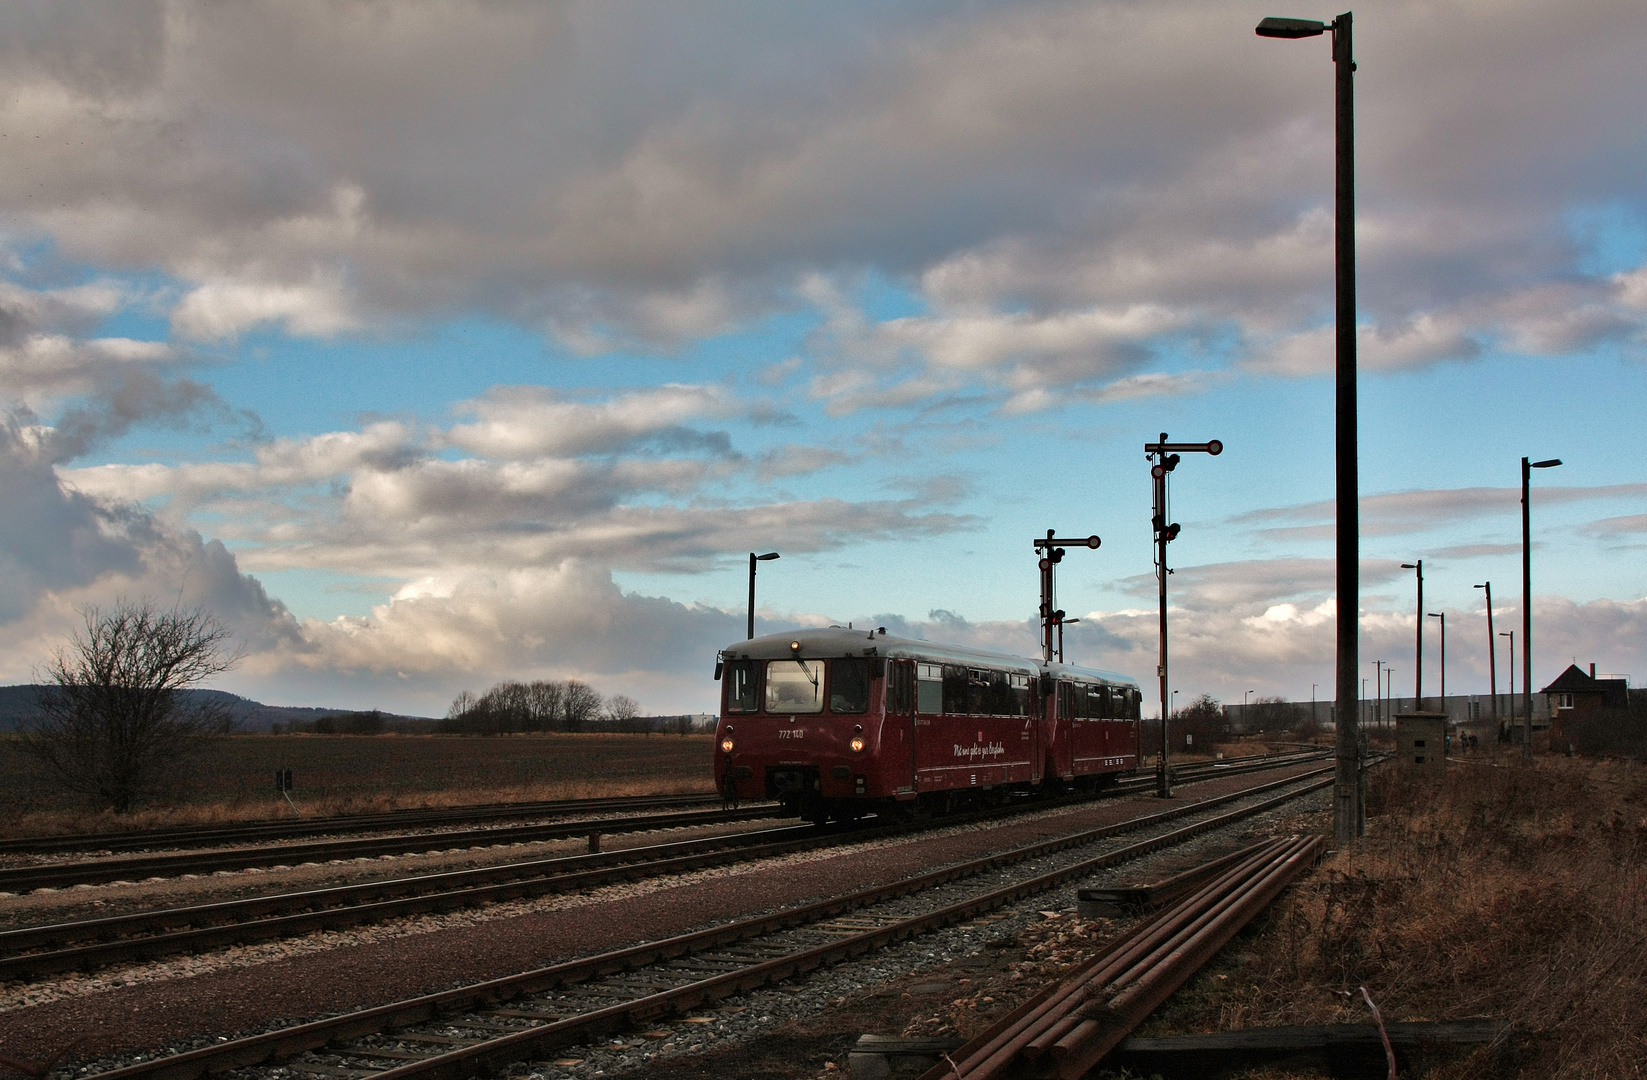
[
  {"x": 88, "y": 943},
  {"x": 253, "y": 831},
  {"x": 67, "y": 874},
  {"x": 457, "y": 1033},
  {"x": 60, "y": 875}
]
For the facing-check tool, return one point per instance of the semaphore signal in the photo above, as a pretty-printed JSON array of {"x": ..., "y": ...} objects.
[
  {"x": 1163, "y": 457},
  {"x": 1051, "y": 618}
]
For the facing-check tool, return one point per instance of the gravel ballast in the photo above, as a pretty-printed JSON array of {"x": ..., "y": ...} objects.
[{"x": 173, "y": 1007}]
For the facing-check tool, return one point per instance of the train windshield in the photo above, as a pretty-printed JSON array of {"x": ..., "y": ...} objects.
[
  {"x": 794, "y": 686},
  {"x": 849, "y": 686}
]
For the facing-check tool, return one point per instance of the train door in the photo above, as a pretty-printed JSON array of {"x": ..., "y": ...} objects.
[
  {"x": 1025, "y": 689},
  {"x": 898, "y": 743},
  {"x": 1054, "y": 706}
]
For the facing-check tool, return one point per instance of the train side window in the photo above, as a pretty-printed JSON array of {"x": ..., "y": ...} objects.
[
  {"x": 998, "y": 694},
  {"x": 1019, "y": 694},
  {"x": 929, "y": 688},
  {"x": 977, "y": 692},
  {"x": 794, "y": 686},
  {"x": 1098, "y": 702},
  {"x": 955, "y": 689},
  {"x": 1137, "y": 704},
  {"x": 742, "y": 686},
  {"x": 1063, "y": 701},
  {"x": 849, "y": 686}
]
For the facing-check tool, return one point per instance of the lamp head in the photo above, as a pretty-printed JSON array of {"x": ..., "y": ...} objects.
[
  {"x": 1408, "y": 566},
  {"x": 1548, "y": 464},
  {"x": 1438, "y": 615},
  {"x": 768, "y": 557},
  {"x": 1291, "y": 28}
]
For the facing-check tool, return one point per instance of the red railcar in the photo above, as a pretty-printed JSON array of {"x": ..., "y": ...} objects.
[{"x": 840, "y": 722}]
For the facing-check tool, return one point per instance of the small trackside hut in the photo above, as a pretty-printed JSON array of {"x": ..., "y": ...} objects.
[{"x": 842, "y": 723}]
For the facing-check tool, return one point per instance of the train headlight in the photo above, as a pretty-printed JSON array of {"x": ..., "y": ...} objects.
[
  {"x": 857, "y": 744},
  {"x": 726, "y": 746}
]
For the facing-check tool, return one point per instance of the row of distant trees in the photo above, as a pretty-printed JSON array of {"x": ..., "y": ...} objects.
[
  {"x": 1204, "y": 722},
  {"x": 541, "y": 705}
]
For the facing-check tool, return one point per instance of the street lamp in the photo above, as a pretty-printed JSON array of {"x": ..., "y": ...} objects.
[
  {"x": 1348, "y": 779},
  {"x": 1063, "y": 622},
  {"x": 1527, "y": 601},
  {"x": 753, "y": 559},
  {"x": 1492, "y": 648},
  {"x": 1511, "y": 635},
  {"x": 1378, "y": 691},
  {"x": 1418, "y": 665},
  {"x": 1442, "y": 615},
  {"x": 1389, "y": 705}
]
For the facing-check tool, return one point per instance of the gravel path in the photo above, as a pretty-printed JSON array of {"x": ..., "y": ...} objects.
[{"x": 164, "y": 1006}]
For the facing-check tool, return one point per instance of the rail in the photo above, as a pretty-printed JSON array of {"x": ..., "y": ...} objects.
[
  {"x": 88, "y": 943},
  {"x": 524, "y": 1015}
]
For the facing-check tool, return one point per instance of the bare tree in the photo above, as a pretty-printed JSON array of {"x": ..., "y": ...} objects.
[
  {"x": 463, "y": 703},
  {"x": 1202, "y": 720},
  {"x": 544, "y": 701},
  {"x": 623, "y": 711},
  {"x": 112, "y": 717},
  {"x": 507, "y": 706},
  {"x": 579, "y": 704}
]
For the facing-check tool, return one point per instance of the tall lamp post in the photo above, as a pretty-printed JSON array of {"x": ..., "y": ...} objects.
[
  {"x": 1348, "y": 814},
  {"x": 1418, "y": 664},
  {"x": 1378, "y": 693},
  {"x": 1511, "y": 635},
  {"x": 753, "y": 559},
  {"x": 1442, "y": 615},
  {"x": 1527, "y": 602},
  {"x": 1492, "y": 649}
]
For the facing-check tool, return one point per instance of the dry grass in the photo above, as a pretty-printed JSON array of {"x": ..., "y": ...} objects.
[
  {"x": 359, "y": 774},
  {"x": 1501, "y": 891}
]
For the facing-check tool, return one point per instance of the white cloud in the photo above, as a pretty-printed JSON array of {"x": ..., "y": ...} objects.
[
  {"x": 222, "y": 309},
  {"x": 520, "y": 422}
]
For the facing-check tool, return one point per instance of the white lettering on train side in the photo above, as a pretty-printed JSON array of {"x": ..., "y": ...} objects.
[{"x": 988, "y": 750}]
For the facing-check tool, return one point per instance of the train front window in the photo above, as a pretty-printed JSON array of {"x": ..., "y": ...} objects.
[
  {"x": 794, "y": 686},
  {"x": 742, "y": 694},
  {"x": 849, "y": 686}
]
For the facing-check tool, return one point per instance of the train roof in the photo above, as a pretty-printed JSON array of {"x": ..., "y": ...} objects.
[{"x": 822, "y": 643}]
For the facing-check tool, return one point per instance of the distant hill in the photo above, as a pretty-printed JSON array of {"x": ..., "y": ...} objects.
[{"x": 17, "y": 702}]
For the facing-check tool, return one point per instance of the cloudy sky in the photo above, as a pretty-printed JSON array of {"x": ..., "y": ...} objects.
[{"x": 434, "y": 343}]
